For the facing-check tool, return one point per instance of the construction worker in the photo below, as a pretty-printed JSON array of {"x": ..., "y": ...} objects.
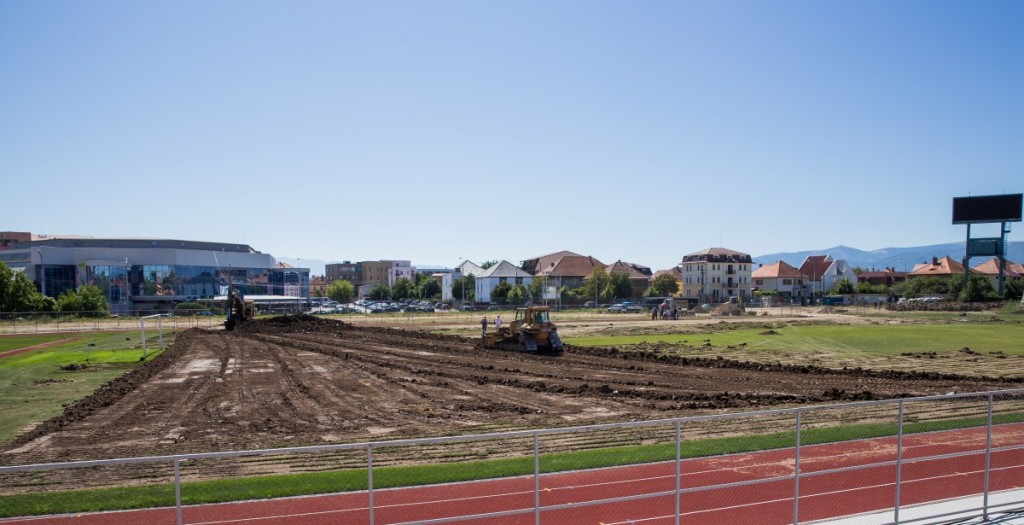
[
  {"x": 497, "y": 322},
  {"x": 483, "y": 326}
]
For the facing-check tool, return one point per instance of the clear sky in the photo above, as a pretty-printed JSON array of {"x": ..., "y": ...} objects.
[{"x": 440, "y": 130}]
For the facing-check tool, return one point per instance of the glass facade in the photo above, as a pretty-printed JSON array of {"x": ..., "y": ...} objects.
[{"x": 192, "y": 282}]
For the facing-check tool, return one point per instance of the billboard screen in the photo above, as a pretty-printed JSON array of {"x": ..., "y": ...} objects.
[{"x": 989, "y": 208}]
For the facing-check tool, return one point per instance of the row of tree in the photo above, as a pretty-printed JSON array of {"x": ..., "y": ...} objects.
[
  {"x": 599, "y": 285},
  {"x": 977, "y": 289},
  {"x": 19, "y": 294}
]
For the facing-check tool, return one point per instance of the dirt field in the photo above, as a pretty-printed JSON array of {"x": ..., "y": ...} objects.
[{"x": 301, "y": 380}]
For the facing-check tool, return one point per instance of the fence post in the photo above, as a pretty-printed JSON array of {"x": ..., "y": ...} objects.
[
  {"x": 988, "y": 456},
  {"x": 536, "y": 478},
  {"x": 369, "y": 479},
  {"x": 177, "y": 488},
  {"x": 796, "y": 472},
  {"x": 678, "y": 470},
  {"x": 899, "y": 460}
]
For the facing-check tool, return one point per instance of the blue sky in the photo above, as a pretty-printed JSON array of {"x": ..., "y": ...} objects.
[{"x": 437, "y": 131}]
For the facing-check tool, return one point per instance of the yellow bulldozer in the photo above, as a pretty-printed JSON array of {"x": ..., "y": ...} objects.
[{"x": 531, "y": 331}]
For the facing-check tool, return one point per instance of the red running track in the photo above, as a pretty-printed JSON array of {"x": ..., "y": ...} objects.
[{"x": 770, "y": 502}]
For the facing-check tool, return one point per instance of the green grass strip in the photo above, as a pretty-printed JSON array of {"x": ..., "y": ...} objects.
[{"x": 277, "y": 486}]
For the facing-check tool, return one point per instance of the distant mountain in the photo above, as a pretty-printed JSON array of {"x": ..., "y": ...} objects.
[{"x": 902, "y": 259}]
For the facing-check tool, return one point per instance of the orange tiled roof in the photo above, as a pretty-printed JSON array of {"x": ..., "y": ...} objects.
[
  {"x": 635, "y": 271},
  {"x": 572, "y": 266},
  {"x": 815, "y": 266},
  {"x": 943, "y": 266},
  {"x": 778, "y": 269},
  {"x": 991, "y": 267}
]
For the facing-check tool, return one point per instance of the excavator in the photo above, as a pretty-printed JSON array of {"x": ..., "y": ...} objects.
[
  {"x": 238, "y": 308},
  {"x": 531, "y": 331}
]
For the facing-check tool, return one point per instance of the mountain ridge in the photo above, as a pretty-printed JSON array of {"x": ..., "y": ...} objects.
[{"x": 899, "y": 258}]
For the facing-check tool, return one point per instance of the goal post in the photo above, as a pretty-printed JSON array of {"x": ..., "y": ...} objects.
[{"x": 159, "y": 330}]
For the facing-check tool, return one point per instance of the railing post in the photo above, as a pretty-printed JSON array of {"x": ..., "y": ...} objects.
[
  {"x": 678, "y": 470},
  {"x": 177, "y": 488},
  {"x": 988, "y": 456},
  {"x": 369, "y": 480},
  {"x": 899, "y": 460},
  {"x": 796, "y": 472},
  {"x": 536, "y": 478}
]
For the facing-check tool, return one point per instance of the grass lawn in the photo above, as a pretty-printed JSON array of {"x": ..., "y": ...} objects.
[
  {"x": 843, "y": 340},
  {"x": 15, "y": 342},
  {"x": 33, "y": 387}
]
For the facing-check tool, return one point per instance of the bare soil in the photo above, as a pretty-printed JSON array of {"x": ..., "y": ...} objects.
[{"x": 300, "y": 380}]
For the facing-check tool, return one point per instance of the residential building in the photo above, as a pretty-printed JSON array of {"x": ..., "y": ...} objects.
[
  {"x": 886, "y": 277},
  {"x": 990, "y": 269},
  {"x": 568, "y": 271},
  {"x": 345, "y": 270},
  {"x": 786, "y": 281},
  {"x": 536, "y": 264},
  {"x": 386, "y": 272},
  {"x": 462, "y": 269},
  {"x": 716, "y": 274},
  {"x": 677, "y": 273},
  {"x": 502, "y": 272},
  {"x": 317, "y": 286},
  {"x": 822, "y": 272},
  {"x": 639, "y": 276},
  {"x": 944, "y": 267}
]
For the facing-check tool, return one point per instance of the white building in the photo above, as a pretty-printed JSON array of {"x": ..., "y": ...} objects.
[
  {"x": 822, "y": 272},
  {"x": 503, "y": 272},
  {"x": 716, "y": 274}
]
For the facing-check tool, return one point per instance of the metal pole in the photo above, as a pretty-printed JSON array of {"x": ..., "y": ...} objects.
[
  {"x": 177, "y": 488},
  {"x": 796, "y": 472},
  {"x": 369, "y": 479},
  {"x": 988, "y": 457},
  {"x": 142, "y": 330},
  {"x": 536, "y": 478},
  {"x": 160, "y": 330},
  {"x": 899, "y": 461},
  {"x": 678, "y": 471}
]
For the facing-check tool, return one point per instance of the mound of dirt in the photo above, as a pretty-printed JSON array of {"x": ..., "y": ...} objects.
[
  {"x": 728, "y": 309},
  {"x": 290, "y": 324}
]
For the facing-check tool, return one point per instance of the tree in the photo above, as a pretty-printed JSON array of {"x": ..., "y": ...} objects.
[
  {"x": 466, "y": 282},
  {"x": 864, "y": 287},
  {"x": 663, "y": 285},
  {"x": 402, "y": 289},
  {"x": 978, "y": 289},
  {"x": 499, "y": 293},
  {"x": 88, "y": 300},
  {"x": 597, "y": 286},
  {"x": 430, "y": 289},
  {"x": 621, "y": 287},
  {"x": 517, "y": 294},
  {"x": 488, "y": 264},
  {"x": 565, "y": 294},
  {"x": 341, "y": 291},
  {"x": 380, "y": 291},
  {"x": 842, "y": 287},
  {"x": 536, "y": 289},
  {"x": 19, "y": 294},
  {"x": 1013, "y": 289}
]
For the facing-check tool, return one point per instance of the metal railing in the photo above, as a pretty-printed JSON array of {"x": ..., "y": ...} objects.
[{"x": 905, "y": 454}]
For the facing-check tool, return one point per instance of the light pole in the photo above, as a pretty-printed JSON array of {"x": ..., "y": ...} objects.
[{"x": 42, "y": 270}]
